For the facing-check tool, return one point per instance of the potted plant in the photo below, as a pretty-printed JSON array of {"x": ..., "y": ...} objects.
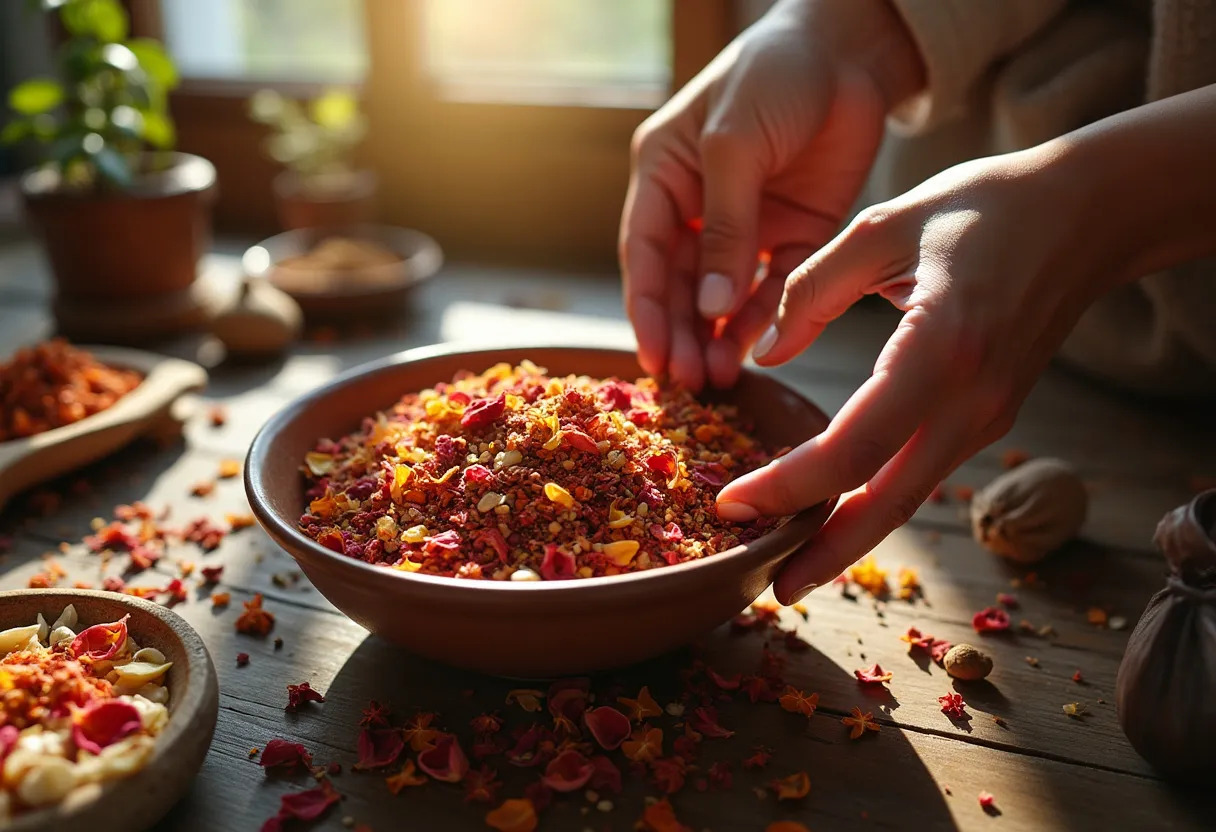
[
  {"x": 315, "y": 141},
  {"x": 124, "y": 219}
]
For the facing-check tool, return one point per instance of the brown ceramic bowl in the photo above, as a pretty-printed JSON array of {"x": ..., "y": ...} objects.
[
  {"x": 527, "y": 630},
  {"x": 138, "y": 801},
  {"x": 375, "y": 290}
]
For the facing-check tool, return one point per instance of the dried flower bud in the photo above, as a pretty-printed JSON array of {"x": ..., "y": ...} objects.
[
  {"x": 1028, "y": 512},
  {"x": 965, "y": 662},
  {"x": 1168, "y": 672}
]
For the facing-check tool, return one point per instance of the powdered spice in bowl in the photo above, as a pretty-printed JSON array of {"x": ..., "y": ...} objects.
[{"x": 525, "y": 521}]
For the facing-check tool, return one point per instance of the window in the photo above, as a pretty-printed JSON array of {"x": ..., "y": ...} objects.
[
  {"x": 582, "y": 52},
  {"x": 267, "y": 40}
]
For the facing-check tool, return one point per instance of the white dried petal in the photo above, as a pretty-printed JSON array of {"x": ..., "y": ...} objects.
[
  {"x": 524, "y": 574},
  {"x": 60, "y": 634},
  {"x": 17, "y": 638},
  {"x": 47, "y": 782},
  {"x": 67, "y": 618},
  {"x": 153, "y": 714},
  {"x": 489, "y": 501},
  {"x": 150, "y": 655},
  {"x": 138, "y": 674},
  {"x": 44, "y": 629},
  {"x": 126, "y": 756}
]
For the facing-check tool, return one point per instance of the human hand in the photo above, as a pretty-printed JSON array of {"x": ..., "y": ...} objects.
[
  {"x": 993, "y": 262},
  {"x": 765, "y": 150}
]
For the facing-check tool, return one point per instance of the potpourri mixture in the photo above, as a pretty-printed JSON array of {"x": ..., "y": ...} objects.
[
  {"x": 76, "y": 710},
  {"x": 515, "y": 475}
]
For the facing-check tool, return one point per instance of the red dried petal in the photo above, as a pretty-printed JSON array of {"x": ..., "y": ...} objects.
[
  {"x": 379, "y": 747},
  {"x": 478, "y": 474},
  {"x": 101, "y": 641},
  {"x": 580, "y": 441},
  {"x": 939, "y": 649},
  {"x": 609, "y": 726},
  {"x": 104, "y": 723},
  {"x": 212, "y": 574},
  {"x": 281, "y": 754},
  {"x": 558, "y": 565},
  {"x": 990, "y": 619},
  {"x": 873, "y": 675},
  {"x": 483, "y": 412},
  {"x": 724, "y": 682},
  {"x": 668, "y": 774},
  {"x": 298, "y": 695},
  {"x": 374, "y": 715},
  {"x": 568, "y": 771},
  {"x": 606, "y": 777},
  {"x": 705, "y": 720},
  {"x": 664, "y": 463},
  {"x": 953, "y": 706},
  {"x": 987, "y": 800},
  {"x": 309, "y": 804},
  {"x": 445, "y": 760}
]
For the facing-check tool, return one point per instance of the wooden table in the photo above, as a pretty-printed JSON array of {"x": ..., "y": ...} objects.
[{"x": 921, "y": 771}]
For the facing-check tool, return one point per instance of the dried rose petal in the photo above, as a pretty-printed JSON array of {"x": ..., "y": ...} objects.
[
  {"x": 374, "y": 715},
  {"x": 661, "y": 817},
  {"x": 953, "y": 706},
  {"x": 309, "y": 804},
  {"x": 794, "y": 787},
  {"x": 989, "y": 620},
  {"x": 514, "y": 815},
  {"x": 298, "y": 695},
  {"x": 379, "y": 747},
  {"x": 445, "y": 760},
  {"x": 281, "y": 754},
  {"x": 724, "y": 682},
  {"x": 606, "y": 777},
  {"x": 483, "y": 412},
  {"x": 873, "y": 675},
  {"x": 408, "y": 776},
  {"x": 103, "y": 723},
  {"x": 568, "y": 771},
  {"x": 609, "y": 726},
  {"x": 642, "y": 707},
  {"x": 668, "y": 774},
  {"x": 705, "y": 721},
  {"x": 100, "y": 642},
  {"x": 558, "y": 565}
]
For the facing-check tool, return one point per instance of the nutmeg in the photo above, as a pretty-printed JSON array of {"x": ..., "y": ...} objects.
[
  {"x": 260, "y": 321},
  {"x": 1028, "y": 512},
  {"x": 968, "y": 663}
]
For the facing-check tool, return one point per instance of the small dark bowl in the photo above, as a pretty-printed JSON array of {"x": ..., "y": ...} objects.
[
  {"x": 530, "y": 630},
  {"x": 373, "y": 293},
  {"x": 135, "y": 802}
]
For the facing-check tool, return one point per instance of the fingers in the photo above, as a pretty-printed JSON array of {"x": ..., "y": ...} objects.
[
  {"x": 890, "y": 499},
  {"x": 911, "y": 379},
  {"x": 731, "y": 183},
  {"x": 648, "y": 233},
  {"x": 686, "y": 364},
  {"x": 871, "y": 252}
]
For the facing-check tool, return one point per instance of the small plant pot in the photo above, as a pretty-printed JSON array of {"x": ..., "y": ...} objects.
[
  {"x": 330, "y": 201},
  {"x": 125, "y": 262}
]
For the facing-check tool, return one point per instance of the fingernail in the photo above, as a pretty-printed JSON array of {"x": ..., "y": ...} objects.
[
  {"x": 802, "y": 593},
  {"x": 717, "y": 294},
  {"x": 765, "y": 343},
  {"x": 737, "y": 512}
]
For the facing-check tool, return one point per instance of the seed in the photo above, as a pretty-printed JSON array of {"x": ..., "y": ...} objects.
[
  {"x": 502, "y": 509},
  {"x": 604, "y": 805},
  {"x": 568, "y": 464},
  {"x": 603, "y": 445},
  {"x": 488, "y": 501},
  {"x": 621, "y": 552},
  {"x": 555, "y": 527},
  {"x": 415, "y": 534},
  {"x": 524, "y": 574},
  {"x": 643, "y": 509},
  {"x": 506, "y": 459},
  {"x": 558, "y": 494}
]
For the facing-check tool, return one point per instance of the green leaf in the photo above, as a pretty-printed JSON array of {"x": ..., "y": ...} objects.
[
  {"x": 105, "y": 20},
  {"x": 113, "y": 166},
  {"x": 36, "y": 95},
  {"x": 155, "y": 61},
  {"x": 159, "y": 131},
  {"x": 334, "y": 109},
  {"x": 65, "y": 148},
  {"x": 15, "y": 131}
]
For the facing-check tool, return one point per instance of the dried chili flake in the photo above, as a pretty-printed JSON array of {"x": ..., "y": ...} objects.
[
  {"x": 481, "y": 785},
  {"x": 301, "y": 694},
  {"x": 176, "y": 590},
  {"x": 418, "y": 731},
  {"x": 953, "y": 706},
  {"x": 798, "y": 702},
  {"x": 204, "y": 488},
  {"x": 242, "y": 659},
  {"x": 212, "y": 574},
  {"x": 661, "y": 817},
  {"x": 990, "y": 620},
  {"x": 705, "y": 721},
  {"x": 645, "y": 744},
  {"x": 204, "y": 532},
  {"x": 759, "y": 758},
  {"x": 254, "y": 621},
  {"x": 445, "y": 760},
  {"x": 859, "y": 723},
  {"x": 236, "y": 522},
  {"x": 100, "y": 642},
  {"x": 217, "y": 415},
  {"x": 408, "y": 776},
  {"x": 568, "y": 771},
  {"x": 1096, "y": 616},
  {"x": 873, "y": 675},
  {"x": 643, "y": 707},
  {"x": 102, "y": 723},
  {"x": 668, "y": 773},
  {"x": 113, "y": 583},
  {"x": 288, "y": 756},
  {"x": 609, "y": 726},
  {"x": 987, "y": 801},
  {"x": 1076, "y": 677},
  {"x": 794, "y": 787},
  {"x": 514, "y": 815},
  {"x": 221, "y": 599},
  {"x": 526, "y": 698},
  {"x": 229, "y": 468}
]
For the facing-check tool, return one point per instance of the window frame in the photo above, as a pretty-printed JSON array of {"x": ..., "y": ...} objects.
[{"x": 527, "y": 183}]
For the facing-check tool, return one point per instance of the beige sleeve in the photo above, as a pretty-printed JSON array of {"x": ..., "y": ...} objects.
[{"x": 959, "y": 41}]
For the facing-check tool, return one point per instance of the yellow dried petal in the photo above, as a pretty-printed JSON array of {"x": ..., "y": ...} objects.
[
  {"x": 436, "y": 408},
  {"x": 401, "y": 475},
  {"x": 554, "y": 442},
  {"x": 501, "y": 370},
  {"x": 618, "y": 519},
  {"x": 531, "y": 369},
  {"x": 140, "y": 673},
  {"x": 514, "y": 402},
  {"x": 323, "y": 507},
  {"x": 558, "y": 495},
  {"x": 555, "y": 387},
  {"x": 386, "y": 528},
  {"x": 17, "y": 637},
  {"x": 318, "y": 463},
  {"x": 408, "y": 565},
  {"x": 621, "y": 552},
  {"x": 415, "y": 534}
]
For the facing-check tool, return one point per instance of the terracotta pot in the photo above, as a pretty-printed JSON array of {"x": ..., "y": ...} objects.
[
  {"x": 520, "y": 629},
  {"x": 335, "y": 201},
  {"x": 125, "y": 262}
]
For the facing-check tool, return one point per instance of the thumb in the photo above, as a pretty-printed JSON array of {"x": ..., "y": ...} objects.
[
  {"x": 869, "y": 253},
  {"x": 732, "y": 181}
]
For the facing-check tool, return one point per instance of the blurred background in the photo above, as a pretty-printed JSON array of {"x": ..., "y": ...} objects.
[{"x": 499, "y": 127}]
